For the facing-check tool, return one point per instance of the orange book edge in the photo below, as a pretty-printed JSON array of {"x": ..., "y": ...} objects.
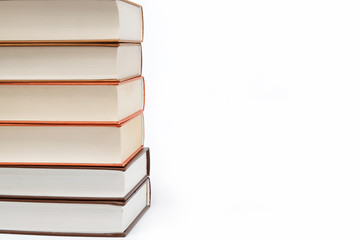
[{"x": 76, "y": 164}]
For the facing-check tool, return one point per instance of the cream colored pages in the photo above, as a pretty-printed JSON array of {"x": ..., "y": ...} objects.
[
  {"x": 58, "y": 103},
  {"x": 130, "y": 97},
  {"x": 67, "y": 63},
  {"x": 71, "y": 144},
  {"x": 58, "y": 63},
  {"x": 130, "y": 13},
  {"x": 71, "y": 102},
  {"x": 70, "y": 21},
  {"x": 131, "y": 134},
  {"x": 129, "y": 61},
  {"x": 55, "y": 144}
]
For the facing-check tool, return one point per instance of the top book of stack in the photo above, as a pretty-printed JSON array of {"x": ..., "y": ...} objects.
[{"x": 27, "y": 21}]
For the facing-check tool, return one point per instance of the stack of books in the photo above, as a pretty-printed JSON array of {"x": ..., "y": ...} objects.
[{"x": 72, "y": 161}]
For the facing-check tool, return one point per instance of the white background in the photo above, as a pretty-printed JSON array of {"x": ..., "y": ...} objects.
[{"x": 253, "y": 120}]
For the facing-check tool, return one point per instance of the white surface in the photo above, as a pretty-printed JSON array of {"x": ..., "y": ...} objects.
[
  {"x": 71, "y": 144},
  {"x": 72, "y": 217},
  {"x": 269, "y": 91},
  {"x": 72, "y": 182},
  {"x": 71, "y": 102},
  {"x": 69, "y": 62}
]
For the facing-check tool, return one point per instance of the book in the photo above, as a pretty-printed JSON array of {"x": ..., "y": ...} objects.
[
  {"x": 74, "y": 218},
  {"x": 72, "y": 156},
  {"x": 69, "y": 143},
  {"x": 44, "y": 62},
  {"x": 72, "y": 182},
  {"x": 53, "y": 102},
  {"x": 70, "y": 21}
]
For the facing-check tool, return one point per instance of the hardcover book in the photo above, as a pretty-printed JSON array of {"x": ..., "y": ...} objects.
[
  {"x": 74, "y": 218},
  {"x": 74, "y": 102},
  {"x": 66, "y": 62},
  {"x": 70, "y": 21},
  {"x": 74, "y": 182},
  {"x": 69, "y": 143},
  {"x": 72, "y": 161}
]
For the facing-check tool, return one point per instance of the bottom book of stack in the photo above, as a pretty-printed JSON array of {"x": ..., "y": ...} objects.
[{"x": 74, "y": 201}]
